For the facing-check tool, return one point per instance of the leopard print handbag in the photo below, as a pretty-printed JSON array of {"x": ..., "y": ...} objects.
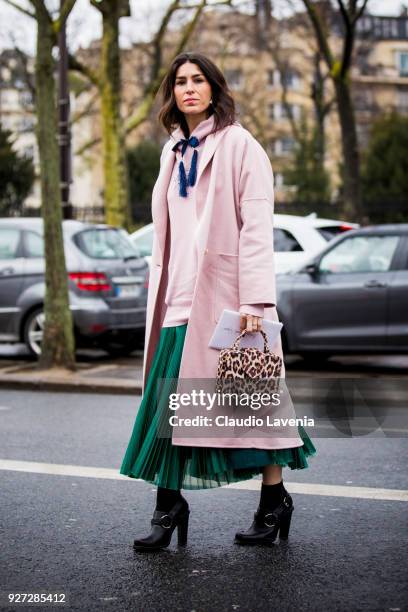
[{"x": 248, "y": 370}]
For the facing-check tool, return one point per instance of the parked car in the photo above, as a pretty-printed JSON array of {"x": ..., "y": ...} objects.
[
  {"x": 107, "y": 284},
  {"x": 295, "y": 238},
  {"x": 350, "y": 298}
]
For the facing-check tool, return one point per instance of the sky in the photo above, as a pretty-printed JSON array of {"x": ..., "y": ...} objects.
[{"x": 85, "y": 25}]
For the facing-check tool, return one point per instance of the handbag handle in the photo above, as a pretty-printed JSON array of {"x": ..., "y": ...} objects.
[{"x": 242, "y": 334}]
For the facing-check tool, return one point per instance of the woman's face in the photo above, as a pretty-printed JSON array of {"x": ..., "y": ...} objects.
[{"x": 191, "y": 90}]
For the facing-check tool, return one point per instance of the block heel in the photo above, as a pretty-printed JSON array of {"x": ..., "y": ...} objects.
[
  {"x": 285, "y": 525},
  {"x": 182, "y": 529}
]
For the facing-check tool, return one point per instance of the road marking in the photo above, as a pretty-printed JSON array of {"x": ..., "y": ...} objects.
[{"x": 303, "y": 488}]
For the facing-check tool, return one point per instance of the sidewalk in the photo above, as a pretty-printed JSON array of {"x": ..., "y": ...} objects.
[
  {"x": 88, "y": 378},
  {"x": 124, "y": 376}
]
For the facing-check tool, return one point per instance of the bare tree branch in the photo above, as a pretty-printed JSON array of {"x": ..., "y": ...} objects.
[
  {"x": 86, "y": 111},
  {"x": 91, "y": 75},
  {"x": 88, "y": 145},
  {"x": 99, "y": 6},
  {"x": 344, "y": 13},
  {"x": 65, "y": 11},
  {"x": 320, "y": 34},
  {"x": 157, "y": 40},
  {"x": 20, "y": 8},
  {"x": 360, "y": 11}
]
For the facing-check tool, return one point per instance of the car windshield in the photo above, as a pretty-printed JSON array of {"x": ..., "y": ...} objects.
[{"x": 105, "y": 243}]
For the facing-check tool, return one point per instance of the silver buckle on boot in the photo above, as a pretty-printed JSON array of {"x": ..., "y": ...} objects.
[
  {"x": 269, "y": 524},
  {"x": 166, "y": 516}
]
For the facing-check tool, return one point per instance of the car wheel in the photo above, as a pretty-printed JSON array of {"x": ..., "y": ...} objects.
[
  {"x": 34, "y": 331},
  {"x": 120, "y": 346}
]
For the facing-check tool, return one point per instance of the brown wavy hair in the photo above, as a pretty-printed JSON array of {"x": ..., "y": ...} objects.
[{"x": 222, "y": 107}]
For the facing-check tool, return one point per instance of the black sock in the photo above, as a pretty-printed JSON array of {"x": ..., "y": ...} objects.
[
  {"x": 271, "y": 495},
  {"x": 166, "y": 498}
]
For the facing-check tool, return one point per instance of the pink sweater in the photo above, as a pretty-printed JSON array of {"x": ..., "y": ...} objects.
[{"x": 182, "y": 267}]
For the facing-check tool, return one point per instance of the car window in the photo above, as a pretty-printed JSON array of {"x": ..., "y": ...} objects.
[
  {"x": 360, "y": 254},
  {"x": 105, "y": 244},
  {"x": 34, "y": 245},
  {"x": 9, "y": 242},
  {"x": 144, "y": 243},
  {"x": 285, "y": 241}
]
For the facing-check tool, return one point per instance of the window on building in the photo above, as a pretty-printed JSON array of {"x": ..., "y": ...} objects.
[
  {"x": 279, "y": 180},
  {"x": 402, "y": 58},
  {"x": 282, "y": 111},
  {"x": 26, "y": 124},
  {"x": 403, "y": 101},
  {"x": 7, "y": 123},
  {"x": 234, "y": 78},
  {"x": 284, "y": 146},
  {"x": 290, "y": 79},
  {"x": 29, "y": 152},
  {"x": 26, "y": 98}
]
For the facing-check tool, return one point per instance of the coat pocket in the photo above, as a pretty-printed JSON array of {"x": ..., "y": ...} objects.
[{"x": 226, "y": 294}]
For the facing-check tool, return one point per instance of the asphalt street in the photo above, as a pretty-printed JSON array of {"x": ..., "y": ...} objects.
[{"x": 68, "y": 520}]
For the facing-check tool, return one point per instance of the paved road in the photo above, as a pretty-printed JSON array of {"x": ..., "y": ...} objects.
[{"x": 72, "y": 530}]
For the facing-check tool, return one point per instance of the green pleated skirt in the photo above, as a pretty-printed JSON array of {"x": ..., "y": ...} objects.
[{"x": 156, "y": 460}]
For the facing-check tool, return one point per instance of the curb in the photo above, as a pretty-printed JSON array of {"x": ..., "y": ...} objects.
[{"x": 91, "y": 385}]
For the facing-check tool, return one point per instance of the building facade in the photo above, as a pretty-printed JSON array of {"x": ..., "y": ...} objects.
[{"x": 272, "y": 83}]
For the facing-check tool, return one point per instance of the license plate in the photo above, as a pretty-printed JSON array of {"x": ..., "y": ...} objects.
[{"x": 128, "y": 290}]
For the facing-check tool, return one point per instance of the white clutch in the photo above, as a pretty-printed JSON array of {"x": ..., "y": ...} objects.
[{"x": 228, "y": 328}]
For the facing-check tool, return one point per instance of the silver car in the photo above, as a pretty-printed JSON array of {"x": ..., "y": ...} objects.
[
  {"x": 107, "y": 284},
  {"x": 350, "y": 298}
]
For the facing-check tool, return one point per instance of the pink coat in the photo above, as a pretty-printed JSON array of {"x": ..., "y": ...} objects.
[{"x": 234, "y": 200}]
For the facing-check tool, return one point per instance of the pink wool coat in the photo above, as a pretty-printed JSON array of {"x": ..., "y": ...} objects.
[{"x": 234, "y": 202}]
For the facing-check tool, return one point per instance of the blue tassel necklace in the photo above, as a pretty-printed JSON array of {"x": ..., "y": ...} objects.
[{"x": 184, "y": 181}]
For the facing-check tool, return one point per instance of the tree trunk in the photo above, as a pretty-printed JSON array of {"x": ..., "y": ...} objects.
[
  {"x": 351, "y": 156},
  {"x": 117, "y": 209},
  {"x": 321, "y": 109},
  {"x": 58, "y": 342}
]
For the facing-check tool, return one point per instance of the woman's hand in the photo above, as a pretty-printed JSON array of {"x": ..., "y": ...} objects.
[{"x": 250, "y": 322}]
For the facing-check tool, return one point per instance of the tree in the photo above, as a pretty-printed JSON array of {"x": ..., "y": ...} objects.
[
  {"x": 58, "y": 341},
  {"x": 16, "y": 176},
  {"x": 339, "y": 70},
  {"x": 144, "y": 166},
  {"x": 108, "y": 80},
  {"x": 385, "y": 168},
  {"x": 308, "y": 174}
]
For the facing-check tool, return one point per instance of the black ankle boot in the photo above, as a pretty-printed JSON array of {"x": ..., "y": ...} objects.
[
  {"x": 163, "y": 524},
  {"x": 267, "y": 524}
]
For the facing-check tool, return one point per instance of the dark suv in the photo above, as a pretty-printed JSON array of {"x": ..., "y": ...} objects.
[{"x": 107, "y": 284}]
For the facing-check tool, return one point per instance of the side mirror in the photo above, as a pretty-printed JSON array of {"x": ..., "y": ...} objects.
[{"x": 312, "y": 269}]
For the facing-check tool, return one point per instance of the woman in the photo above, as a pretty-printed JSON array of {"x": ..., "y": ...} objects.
[{"x": 213, "y": 249}]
